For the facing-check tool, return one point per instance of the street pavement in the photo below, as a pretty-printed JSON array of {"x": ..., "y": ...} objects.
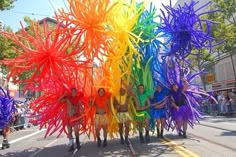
[{"x": 213, "y": 137}]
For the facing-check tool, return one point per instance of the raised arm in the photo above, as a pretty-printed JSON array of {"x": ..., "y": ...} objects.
[
  {"x": 129, "y": 89},
  {"x": 137, "y": 105},
  {"x": 91, "y": 102},
  {"x": 108, "y": 103},
  {"x": 186, "y": 85},
  {"x": 115, "y": 103},
  {"x": 62, "y": 98}
]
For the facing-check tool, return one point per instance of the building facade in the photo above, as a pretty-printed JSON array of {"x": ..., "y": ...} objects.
[{"x": 221, "y": 76}]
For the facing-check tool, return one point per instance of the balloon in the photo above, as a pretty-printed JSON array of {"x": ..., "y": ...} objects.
[
  {"x": 99, "y": 44},
  {"x": 7, "y": 108},
  {"x": 186, "y": 27}
]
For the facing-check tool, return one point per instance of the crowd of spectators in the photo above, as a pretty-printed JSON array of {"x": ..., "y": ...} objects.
[
  {"x": 22, "y": 115},
  {"x": 225, "y": 104}
]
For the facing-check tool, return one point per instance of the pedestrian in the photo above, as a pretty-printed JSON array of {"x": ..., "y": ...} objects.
[
  {"x": 7, "y": 111},
  {"x": 5, "y": 134},
  {"x": 181, "y": 112},
  {"x": 228, "y": 103},
  {"x": 18, "y": 123},
  {"x": 232, "y": 102},
  {"x": 74, "y": 110},
  {"x": 142, "y": 109},
  {"x": 121, "y": 103},
  {"x": 158, "y": 110},
  {"x": 102, "y": 105},
  {"x": 220, "y": 98}
]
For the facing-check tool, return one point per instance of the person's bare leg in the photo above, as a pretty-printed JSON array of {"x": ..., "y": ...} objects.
[
  {"x": 5, "y": 132},
  {"x": 105, "y": 135},
  {"x": 158, "y": 122},
  {"x": 147, "y": 130},
  {"x": 126, "y": 132},
  {"x": 70, "y": 136},
  {"x": 162, "y": 126},
  {"x": 69, "y": 129},
  {"x": 147, "y": 124},
  {"x": 127, "y": 128},
  {"x": 76, "y": 129},
  {"x": 97, "y": 131},
  {"x": 121, "y": 133},
  {"x": 140, "y": 128},
  {"x": 178, "y": 125},
  {"x": 185, "y": 125}
]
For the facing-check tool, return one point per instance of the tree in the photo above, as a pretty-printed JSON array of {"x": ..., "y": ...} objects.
[
  {"x": 227, "y": 24},
  {"x": 224, "y": 29},
  {"x": 6, "y": 4},
  {"x": 226, "y": 17},
  {"x": 200, "y": 61},
  {"x": 6, "y": 50}
]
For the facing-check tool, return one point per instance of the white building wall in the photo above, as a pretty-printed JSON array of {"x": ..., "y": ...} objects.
[{"x": 224, "y": 69}]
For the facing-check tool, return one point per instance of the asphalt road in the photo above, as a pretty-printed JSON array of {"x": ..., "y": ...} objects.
[{"x": 214, "y": 137}]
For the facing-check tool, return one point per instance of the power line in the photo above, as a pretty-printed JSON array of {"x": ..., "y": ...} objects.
[
  {"x": 52, "y": 5},
  {"x": 27, "y": 13},
  {"x": 65, "y": 5}
]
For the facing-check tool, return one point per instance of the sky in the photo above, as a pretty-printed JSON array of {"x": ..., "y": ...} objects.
[{"x": 39, "y": 9}]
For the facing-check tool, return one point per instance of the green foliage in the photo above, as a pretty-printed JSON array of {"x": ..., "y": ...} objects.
[
  {"x": 226, "y": 29},
  {"x": 201, "y": 58},
  {"x": 227, "y": 9},
  {"x": 6, "y": 50},
  {"x": 6, "y": 4}
]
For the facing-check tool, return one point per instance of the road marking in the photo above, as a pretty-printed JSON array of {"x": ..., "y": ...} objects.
[
  {"x": 27, "y": 136},
  {"x": 220, "y": 144},
  {"x": 82, "y": 144},
  {"x": 48, "y": 145},
  {"x": 24, "y": 137},
  {"x": 179, "y": 149},
  {"x": 174, "y": 146},
  {"x": 228, "y": 123}
]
